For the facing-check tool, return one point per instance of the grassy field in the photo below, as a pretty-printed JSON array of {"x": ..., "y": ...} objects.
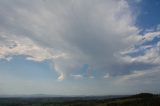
[{"x": 143, "y": 99}]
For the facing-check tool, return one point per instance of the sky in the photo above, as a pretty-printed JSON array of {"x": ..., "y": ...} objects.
[{"x": 79, "y": 47}]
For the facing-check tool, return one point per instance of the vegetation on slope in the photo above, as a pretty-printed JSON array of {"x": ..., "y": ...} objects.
[{"x": 143, "y": 99}]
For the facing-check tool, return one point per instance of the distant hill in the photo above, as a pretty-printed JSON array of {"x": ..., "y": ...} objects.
[
  {"x": 143, "y": 95},
  {"x": 142, "y": 99}
]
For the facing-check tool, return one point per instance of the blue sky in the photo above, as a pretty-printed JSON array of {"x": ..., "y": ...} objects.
[
  {"x": 148, "y": 17},
  {"x": 81, "y": 47}
]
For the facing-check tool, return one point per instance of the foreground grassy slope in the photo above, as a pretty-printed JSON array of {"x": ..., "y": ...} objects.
[{"x": 143, "y": 99}]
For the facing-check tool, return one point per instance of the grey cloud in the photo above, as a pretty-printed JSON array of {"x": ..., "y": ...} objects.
[
  {"x": 87, "y": 32},
  {"x": 127, "y": 68}
]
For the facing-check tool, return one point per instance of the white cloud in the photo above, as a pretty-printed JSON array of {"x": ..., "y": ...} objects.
[
  {"x": 11, "y": 46},
  {"x": 107, "y": 76},
  {"x": 70, "y": 33},
  {"x": 151, "y": 50},
  {"x": 77, "y": 76},
  {"x": 133, "y": 75}
]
